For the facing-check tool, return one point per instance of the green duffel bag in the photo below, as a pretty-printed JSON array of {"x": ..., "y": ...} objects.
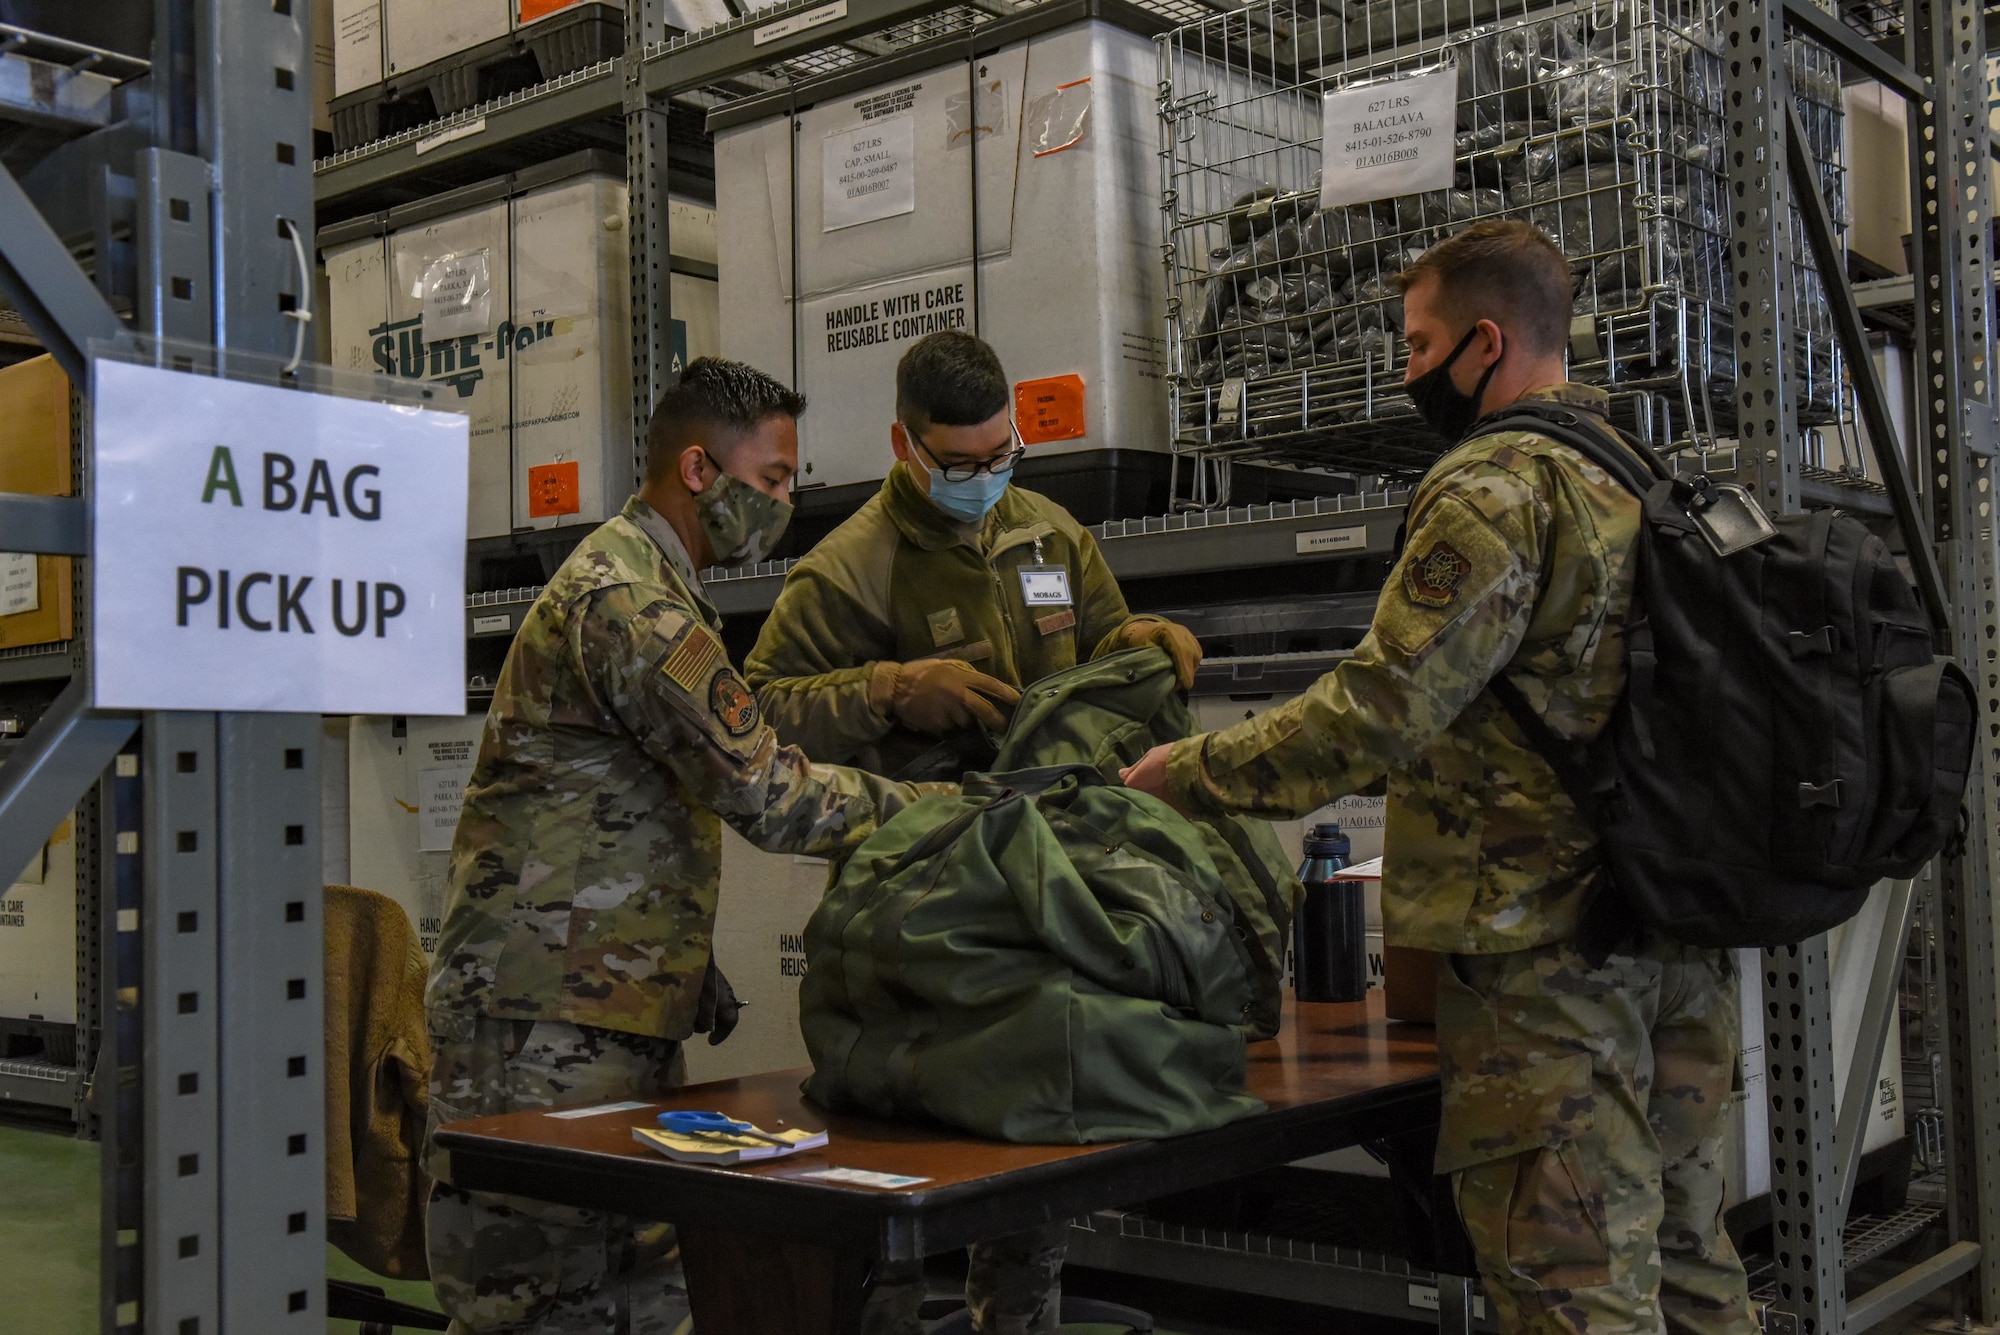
[{"x": 1048, "y": 956}]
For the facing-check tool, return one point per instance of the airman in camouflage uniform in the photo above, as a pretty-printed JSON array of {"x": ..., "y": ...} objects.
[
  {"x": 582, "y": 898},
  {"x": 1582, "y": 1102},
  {"x": 899, "y": 586},
  {"x": 899, "y": 582}
]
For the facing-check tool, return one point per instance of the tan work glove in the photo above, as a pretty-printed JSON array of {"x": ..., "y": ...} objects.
[
  {"x": 935, "y": 696},
  {"x": 1178, "y": 641}
]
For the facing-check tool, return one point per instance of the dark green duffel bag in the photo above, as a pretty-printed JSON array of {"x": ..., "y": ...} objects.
[{"x": 1048, "y": 956}]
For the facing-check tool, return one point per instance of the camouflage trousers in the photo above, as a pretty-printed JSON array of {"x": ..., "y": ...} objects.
[
  {"x": 507, "y": 1264},
  {"x": 1013, "y": 1286},
  {"x": 1583, "y": 1125}
]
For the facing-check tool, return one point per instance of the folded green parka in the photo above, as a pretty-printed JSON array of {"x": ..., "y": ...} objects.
[{"x": 1048, "y": 956}]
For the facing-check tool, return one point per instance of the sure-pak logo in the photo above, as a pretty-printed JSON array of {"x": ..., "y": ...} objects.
[{"x": 259, "y": 548}]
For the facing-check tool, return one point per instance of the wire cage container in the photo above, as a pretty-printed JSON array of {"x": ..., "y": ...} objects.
[{"x": 1600, "y": 122}]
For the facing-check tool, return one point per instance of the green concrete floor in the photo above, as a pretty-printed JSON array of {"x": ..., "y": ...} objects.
[{"x": 48, "y": 1237}]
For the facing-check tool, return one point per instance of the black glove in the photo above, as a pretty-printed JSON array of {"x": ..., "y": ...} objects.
[{"x": 717, "y": 1009}]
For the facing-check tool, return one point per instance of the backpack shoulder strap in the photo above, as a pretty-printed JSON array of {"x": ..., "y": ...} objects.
[{"x": 1635, "y": 467}]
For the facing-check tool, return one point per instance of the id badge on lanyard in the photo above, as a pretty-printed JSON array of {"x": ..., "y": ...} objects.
[{"x": 1044, "y": 585}]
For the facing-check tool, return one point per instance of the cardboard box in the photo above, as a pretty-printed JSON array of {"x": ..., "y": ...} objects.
[
  {"x": 1409, "y": 984},
  {"x": 35, "y": 460}
]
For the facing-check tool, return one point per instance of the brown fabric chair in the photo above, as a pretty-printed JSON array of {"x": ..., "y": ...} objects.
[{"x": 378, "y": 1060}]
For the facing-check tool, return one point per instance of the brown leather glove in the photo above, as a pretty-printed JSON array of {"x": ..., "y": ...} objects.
[
  {"x": 1177, "y": 640},
  {"x": 935, "y": 696}
]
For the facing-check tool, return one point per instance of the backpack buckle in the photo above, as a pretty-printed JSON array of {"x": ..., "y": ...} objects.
[
  {"x": 1820, "y": 794},
  {"x": 1805, "y": 643}
]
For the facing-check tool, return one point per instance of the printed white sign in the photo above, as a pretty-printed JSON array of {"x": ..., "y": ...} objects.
[
  {"x": 868, "y": 173},
  {"x": 264, "y": 549},
  {"x": 1388, "y": 138},
  {"x": 19, "y": 590},
  {"x": 457, "y": 292}
]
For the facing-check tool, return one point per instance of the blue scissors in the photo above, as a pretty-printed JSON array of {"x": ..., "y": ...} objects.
[{"x": 713, "y": 1124}]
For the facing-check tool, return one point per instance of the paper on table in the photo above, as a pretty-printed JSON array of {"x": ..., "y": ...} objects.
[
  {"x": 862, "y": 1177},
  {"x": 722, "y": 1148},
  {"x": 627, "y": 1106},
  {"x": 1371, "y": 870}
]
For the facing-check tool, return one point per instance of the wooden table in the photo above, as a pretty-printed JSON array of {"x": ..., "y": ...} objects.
[{"x": 770, "y": 1250}]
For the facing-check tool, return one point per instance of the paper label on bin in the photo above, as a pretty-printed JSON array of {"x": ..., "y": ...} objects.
[
  {"x": 867, "y": 173},
  {"x": 440, "y": 795},
  {"x": 1387, "y": 138},
  {"x": 20, "y": 590},
  {"x": 457, "y": 292}
]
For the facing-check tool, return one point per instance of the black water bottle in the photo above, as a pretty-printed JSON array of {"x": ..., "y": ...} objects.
[{"x": 1329, "y": 936}]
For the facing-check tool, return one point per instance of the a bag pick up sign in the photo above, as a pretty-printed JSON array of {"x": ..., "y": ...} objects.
[
  {"x": 265, "y": 549},
  {"x": 1389, "y": 137}
]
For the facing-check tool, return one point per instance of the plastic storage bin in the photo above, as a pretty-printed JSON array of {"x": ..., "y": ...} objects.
[
  {"x": 1062, "y": 124},
  {"x": 538, "y": 351}
]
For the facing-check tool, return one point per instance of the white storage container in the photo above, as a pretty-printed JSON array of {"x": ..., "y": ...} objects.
[
  {"x": 539, "y": 357},
  {"x": 38, "y": 936},
  {"x": 402, "y": 807},
  {"x": 357, "y": 45},
  {"x": 1069, "y": 282},
  {"x": 377, "y": 268},
  {"x": 1851, "y": 957},
  {"x": 421, "y": 31}
]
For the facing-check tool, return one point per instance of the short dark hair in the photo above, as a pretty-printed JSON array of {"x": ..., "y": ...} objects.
[
  {"x": 716, "y": 404},
  {"x": 1501, "y": 265},
  {"x": 949, "y": 378}
]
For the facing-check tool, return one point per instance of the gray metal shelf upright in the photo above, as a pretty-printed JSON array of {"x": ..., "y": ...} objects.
[
  {"x": 1926, "y": 50},
  {"x": 181, "y": 193}
]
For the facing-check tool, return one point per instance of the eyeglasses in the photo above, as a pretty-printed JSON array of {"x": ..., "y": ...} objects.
[{"x": 966, "y": 472}]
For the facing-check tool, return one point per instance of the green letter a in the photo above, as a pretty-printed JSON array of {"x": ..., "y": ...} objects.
[{"x": 221, "y": 477}]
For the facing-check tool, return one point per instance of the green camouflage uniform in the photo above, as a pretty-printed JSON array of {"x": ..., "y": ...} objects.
[
  {"x": 581, "y": 903},
  {"x": 1559, "y": 1106},
  {"x": 899, "y": 581}
]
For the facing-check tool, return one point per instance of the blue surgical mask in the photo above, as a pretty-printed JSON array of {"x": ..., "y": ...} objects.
[{"x": 967, "y": 501}]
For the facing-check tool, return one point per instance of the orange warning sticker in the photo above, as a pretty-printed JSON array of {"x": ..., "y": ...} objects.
[
  {"x": 534, "y": 9},
  {"x": 1050, "y": 409},
  {"x": 552, "y": 490}
]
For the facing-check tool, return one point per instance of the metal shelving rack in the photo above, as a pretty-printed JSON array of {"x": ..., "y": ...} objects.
[{"x": 177, "y": 190}]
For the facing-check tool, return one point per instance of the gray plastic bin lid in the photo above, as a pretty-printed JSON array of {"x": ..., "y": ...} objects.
[{"x": 587, "y": 162}]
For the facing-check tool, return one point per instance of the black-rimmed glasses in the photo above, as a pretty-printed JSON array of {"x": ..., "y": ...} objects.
[{"x": 966, "y": 472}]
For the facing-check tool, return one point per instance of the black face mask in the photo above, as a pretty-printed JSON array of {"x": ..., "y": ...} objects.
[{"x": 1440, "y": 403}]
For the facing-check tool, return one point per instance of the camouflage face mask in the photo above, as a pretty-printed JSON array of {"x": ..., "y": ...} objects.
[{"x": 742, "y": 523}]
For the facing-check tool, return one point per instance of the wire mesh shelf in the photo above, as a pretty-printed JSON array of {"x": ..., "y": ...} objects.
[{"x": 1600, "y": 122}]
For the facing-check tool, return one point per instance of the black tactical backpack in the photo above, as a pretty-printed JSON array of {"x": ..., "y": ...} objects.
[{"x": 1787, "y": 737}]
